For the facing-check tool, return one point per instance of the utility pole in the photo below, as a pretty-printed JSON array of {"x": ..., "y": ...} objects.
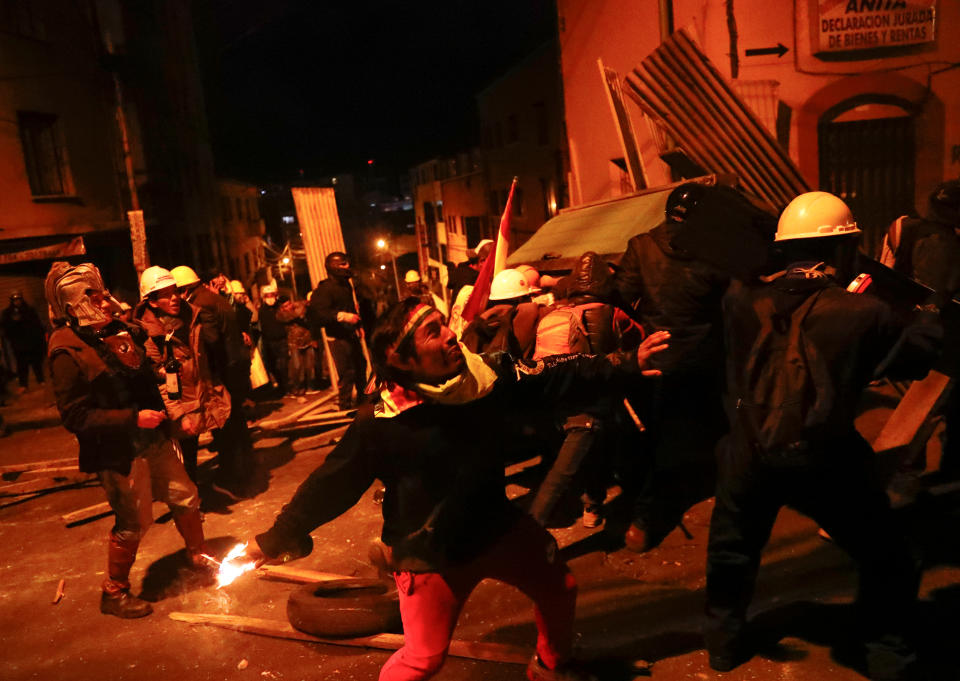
[{"x": 138, "y": 232}]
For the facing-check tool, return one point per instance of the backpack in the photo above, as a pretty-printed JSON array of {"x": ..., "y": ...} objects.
[
  {"x": 785, "y": 392},
  {"x": 563, "y": 331}
]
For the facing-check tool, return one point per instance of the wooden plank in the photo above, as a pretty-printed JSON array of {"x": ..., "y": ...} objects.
[
  {"x": 624, "y": 125},
  {"x": 912, "y": 412},
  {"x": 313, "y": 424},
  {"x": 285, "y": 573},
  {"x": 322, "y": 440},
  {"x": 103, "y": 508},
  {"x": 33, "y": 465},
  {"x": 473, "y": 650},
  {"x": 272, "y": 424},
  {"x": 327, "y": 416},
  {"x": 45, "y": 484}
]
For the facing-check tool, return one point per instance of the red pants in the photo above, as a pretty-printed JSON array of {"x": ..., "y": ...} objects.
[{"x": 430, "y": 603}]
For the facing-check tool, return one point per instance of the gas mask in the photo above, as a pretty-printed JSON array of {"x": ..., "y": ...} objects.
[{"x": 66, "y": 289}]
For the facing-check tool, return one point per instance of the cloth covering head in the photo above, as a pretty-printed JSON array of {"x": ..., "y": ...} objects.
[{"x": 66, "y": 290}]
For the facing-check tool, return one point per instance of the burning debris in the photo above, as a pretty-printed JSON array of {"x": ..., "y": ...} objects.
[{"x": 232, "y": 566}]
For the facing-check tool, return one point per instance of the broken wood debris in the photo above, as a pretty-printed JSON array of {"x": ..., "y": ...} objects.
[
  {"x": 322, "y": 440},
  {"x": 46, "y": 484},
  {"x": 285, "y": 573},
  {"x": 59, "y": 595},
  {"x": 277, "y": 423},
  {"x": 473, "y": 650}
]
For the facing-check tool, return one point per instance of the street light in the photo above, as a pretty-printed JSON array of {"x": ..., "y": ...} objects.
[{"x": 384, "y": 246}]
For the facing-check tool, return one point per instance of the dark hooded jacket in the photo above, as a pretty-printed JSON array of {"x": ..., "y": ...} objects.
[
  {"x": 675, "y": 293},
  {"x": 442, "y": 465},
  {"x": 849, "y": 340}
]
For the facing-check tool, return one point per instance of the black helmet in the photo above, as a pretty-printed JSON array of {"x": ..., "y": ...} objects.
[
  {"x": 683, "y": 200},
  {"x": 945, "y": 203}
]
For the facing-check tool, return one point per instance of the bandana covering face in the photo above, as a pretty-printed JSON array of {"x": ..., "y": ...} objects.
[{"x": 476, "y": 380}]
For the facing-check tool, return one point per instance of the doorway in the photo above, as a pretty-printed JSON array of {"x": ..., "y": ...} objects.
[{"x": 868, "y": 159}]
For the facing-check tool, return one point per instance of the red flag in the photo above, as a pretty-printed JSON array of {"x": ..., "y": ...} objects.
[{"x": 481, "y": 290}]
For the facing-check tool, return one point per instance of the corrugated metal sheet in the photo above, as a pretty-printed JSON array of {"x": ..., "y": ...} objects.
[
  {"x": 762, "y": 97},
  {"x": 677, "y": 86},
  {"x": 319, "y": 225}
]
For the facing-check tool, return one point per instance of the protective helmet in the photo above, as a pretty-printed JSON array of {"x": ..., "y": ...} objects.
[
  {"x": 478, "y": 250},
  {"x": 683, "y": 200},
  {"x": 509, "y": 284},
  {"x": 267, "y": 289},
  {"x": 184, "y": 276},
  {"x": 411, "y": 277},
  {"x": 531, "y": 275},
  {"x": 155, "y": 279},
  {"x": 237, "y": 287},
  {"x": 813, "y": 215},
  {"x": 945, "y": 203},
  {"x": 66, "y": 289}
]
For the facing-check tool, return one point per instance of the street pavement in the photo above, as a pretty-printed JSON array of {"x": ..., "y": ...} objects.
[{"x": 633, "y": 610}]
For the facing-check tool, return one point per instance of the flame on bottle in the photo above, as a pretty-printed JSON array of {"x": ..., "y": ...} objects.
[{"x": 233, "y": 565}]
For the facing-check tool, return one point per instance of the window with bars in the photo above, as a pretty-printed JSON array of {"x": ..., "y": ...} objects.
[{"x": 45, "y": 154}]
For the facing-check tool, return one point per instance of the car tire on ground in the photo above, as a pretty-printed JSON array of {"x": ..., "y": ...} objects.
[{"x": 345, "y": 608}]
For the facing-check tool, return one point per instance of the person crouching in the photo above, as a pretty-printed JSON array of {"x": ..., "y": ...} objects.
[{"x": 435, "y": 440}]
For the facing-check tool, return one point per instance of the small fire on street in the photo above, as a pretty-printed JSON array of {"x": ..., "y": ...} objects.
[{"x": 232, "y": 565}]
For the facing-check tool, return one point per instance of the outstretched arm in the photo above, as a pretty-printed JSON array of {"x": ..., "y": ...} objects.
[{"x": 327, "y": 493}]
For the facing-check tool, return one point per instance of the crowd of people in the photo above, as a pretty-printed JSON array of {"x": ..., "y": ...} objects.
[{"x": 621, "y": 373}]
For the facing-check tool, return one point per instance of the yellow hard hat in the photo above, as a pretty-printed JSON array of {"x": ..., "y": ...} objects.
[
  {"x": 411, "y": 277},
  {"x": 184, "y": 276},
  {"x": 813, "y": 215},
  {"x": 236, "y": 287}
]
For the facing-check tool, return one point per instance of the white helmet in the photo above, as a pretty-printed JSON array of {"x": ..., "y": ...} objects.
[
  {"x": 509, "y": 284},
  {"x": 155, "y": 279},
  {"x": 813, "y": 215},
  {"x": 184, "y": 275}
]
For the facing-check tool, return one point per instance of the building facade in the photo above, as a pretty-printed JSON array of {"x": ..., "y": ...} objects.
[
  {"x": 59, "y": 152},
  {"x": 863, "y": 95},
  {"x": 459, "y": 200},
  {"x": 242, "y": 229},
  {"x": 101, "y": 112}
]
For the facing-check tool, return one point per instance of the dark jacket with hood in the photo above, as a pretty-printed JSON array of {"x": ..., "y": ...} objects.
[
  {"x": 848, "y": 340},
  {"x": 229, "y": 355},
  {"x": 332, "y": 295},
  {"x": 675, "y": 293},
  {"x": 99, "y": 396},
  {"x": 442, "y": 465}
]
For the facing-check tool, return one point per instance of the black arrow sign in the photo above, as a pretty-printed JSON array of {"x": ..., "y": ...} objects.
[{"x": 779, "y": 50}]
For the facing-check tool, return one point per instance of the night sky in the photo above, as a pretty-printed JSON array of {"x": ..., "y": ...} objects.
[{"x": 324, "y": 85}]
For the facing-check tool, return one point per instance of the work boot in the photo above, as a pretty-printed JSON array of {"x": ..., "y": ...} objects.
[
  {"x": 641, "y": 538},
  {"x": 537, "y": 672},
  {"x": 124, "y": 604},
  {"x": 116, "y": 598},
  {"x": 190, "y": 527}
]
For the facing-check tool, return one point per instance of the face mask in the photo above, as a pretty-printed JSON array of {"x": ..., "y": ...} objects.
[{"x": 67, "y": 289}]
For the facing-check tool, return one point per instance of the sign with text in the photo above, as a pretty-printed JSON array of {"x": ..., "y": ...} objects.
[
  {"x": 62, "y": 250},
  {"x": 847, "y": 25},
  {"x": 138, "y": 239}
]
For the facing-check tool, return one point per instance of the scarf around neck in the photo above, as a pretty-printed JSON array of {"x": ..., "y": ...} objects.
[{"x": 475, "y": 381}]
